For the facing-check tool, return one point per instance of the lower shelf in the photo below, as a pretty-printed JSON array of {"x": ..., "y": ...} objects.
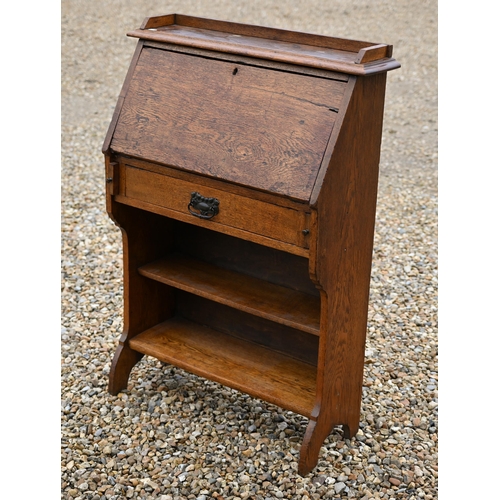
[{"x": 236, "y": 363}]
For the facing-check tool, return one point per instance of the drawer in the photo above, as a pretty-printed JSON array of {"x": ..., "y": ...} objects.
[{"x": 272, "y": 225}]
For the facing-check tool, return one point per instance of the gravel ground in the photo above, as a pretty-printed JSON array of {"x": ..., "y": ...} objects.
[{"x": 173, "y": 435}]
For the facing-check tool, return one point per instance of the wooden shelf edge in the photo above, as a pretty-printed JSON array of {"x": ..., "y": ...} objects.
[
  {"x": 242, "y": 29},
  {"x": 316, "y": 61},
  {"x": 235, "y": 363},
  {"x": 248, "y": 294},
  {"x": 303, "y": 49}
]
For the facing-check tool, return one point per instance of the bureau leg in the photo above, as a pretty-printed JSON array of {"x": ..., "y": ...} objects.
[
  {"x": 315, "y": 435},
  {"x": 123, "y": 362},
  {"x": 146, "y": 237}
]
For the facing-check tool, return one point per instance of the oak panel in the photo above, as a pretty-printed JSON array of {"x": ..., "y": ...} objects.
[
  {"x": 246, "y": 293},
  {"x": 233, "y": 362},
  {"x": 248, "y": 125},
  {"x": 280, "y": 223}
]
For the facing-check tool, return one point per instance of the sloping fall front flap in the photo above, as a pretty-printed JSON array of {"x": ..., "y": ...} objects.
[{"x": 258, "y": 127}]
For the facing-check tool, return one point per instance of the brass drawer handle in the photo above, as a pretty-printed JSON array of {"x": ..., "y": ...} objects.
[{"x": 206, "y": 208}]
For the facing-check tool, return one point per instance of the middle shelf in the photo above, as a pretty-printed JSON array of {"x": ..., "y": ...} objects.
[{"x": 252, "y": 295}]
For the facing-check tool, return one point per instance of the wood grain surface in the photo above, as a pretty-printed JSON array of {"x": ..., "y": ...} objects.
[
  {"x": 292, "y": 159},
  {"x": 345, "y": 228},
  {"x": 248, "y": 125},
  {"x": 246, "y": 293},
  {"x": 244, "y": 257},
  {"x": 302, "y": 49},
  {"x": 233, "y": 362},
  {"x": 249, "y": 327},
  {"x": 264, "y": 33},
  {"x": 279, "y": 223}
]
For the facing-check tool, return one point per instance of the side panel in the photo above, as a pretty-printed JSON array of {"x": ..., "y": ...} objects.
[{"x": 345, "y": 225}]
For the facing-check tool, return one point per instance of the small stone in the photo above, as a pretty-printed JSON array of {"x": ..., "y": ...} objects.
[
  {"x": 394, "y": 481},
  {"x": 339, "y": 487},
  {"x": 151, "y": 484},
  {"x": 319, "y": 480}
]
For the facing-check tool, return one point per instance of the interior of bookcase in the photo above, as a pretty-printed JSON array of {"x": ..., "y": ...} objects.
[{"x": 244, "y": 315}]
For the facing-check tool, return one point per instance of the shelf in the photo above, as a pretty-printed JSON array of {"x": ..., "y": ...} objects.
[
  {"x": 242, "y": 365},
  {"x": 252, "y": 295}
]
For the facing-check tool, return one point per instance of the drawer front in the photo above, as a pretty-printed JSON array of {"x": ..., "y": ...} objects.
[{"x": 150, "y": 189}]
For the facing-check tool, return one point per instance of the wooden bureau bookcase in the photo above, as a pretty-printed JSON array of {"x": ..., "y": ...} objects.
[{"x": 242, "y": 167}]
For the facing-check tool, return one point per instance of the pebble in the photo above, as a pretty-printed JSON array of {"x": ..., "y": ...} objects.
[
  {"x": 340, "y": 486},
  {"x": 173, "y": 435}
]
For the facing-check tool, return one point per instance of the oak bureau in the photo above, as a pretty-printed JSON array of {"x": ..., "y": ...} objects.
[{"x": 242, "y": 167}]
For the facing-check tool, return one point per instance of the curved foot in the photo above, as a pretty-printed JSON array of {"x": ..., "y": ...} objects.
[
  {"x": 311, "y": 445},
  {"x": 123, "y": 362},
  {"x": 315, "y": 436}
]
